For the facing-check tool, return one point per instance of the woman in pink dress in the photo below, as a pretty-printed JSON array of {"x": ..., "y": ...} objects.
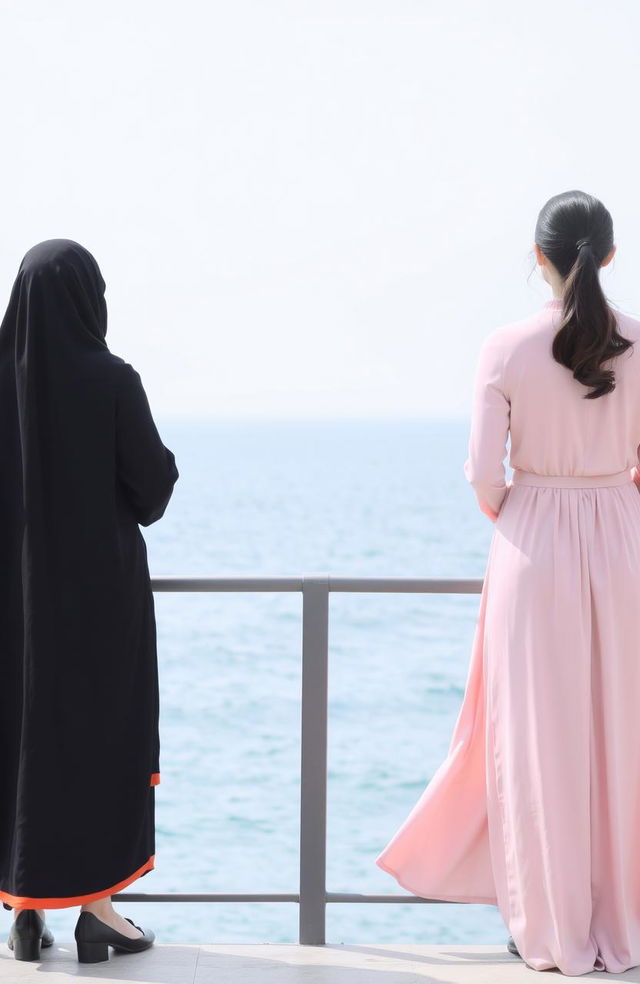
[{"x": 536, "y": 808}]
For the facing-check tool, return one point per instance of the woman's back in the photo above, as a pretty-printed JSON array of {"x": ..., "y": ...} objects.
[
  {"x": 554, "y": 429},
  {"x": 521, "y": 391}
]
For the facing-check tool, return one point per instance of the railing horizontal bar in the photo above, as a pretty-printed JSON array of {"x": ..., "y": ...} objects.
[
  {"x": 355, "y": 585},
  {"x": 263, "y": 897},
  {"x": 402, "y": 585},
  {"x": 233, "y": 582},
  {"x": 206, "y": 897},
  {"x": 355, "y": 897}
]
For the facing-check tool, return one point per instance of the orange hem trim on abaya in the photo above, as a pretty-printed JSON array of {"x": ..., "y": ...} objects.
[
  {"x": 25, "y": 902},
  {"x": 155, "y": 778}
]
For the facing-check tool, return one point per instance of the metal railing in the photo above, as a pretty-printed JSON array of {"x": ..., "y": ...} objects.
[{"x": 315, "y": 588}]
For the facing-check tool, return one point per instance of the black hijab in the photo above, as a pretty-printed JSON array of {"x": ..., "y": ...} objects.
[
  {"x": 55, "y": 319},
  {"x": 57, "y": 304}
]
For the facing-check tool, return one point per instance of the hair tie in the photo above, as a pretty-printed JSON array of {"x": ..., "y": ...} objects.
[{"x": 583, "y": 242}]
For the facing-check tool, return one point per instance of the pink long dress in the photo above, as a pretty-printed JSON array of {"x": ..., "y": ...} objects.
[{"x": 536, "y": 808}]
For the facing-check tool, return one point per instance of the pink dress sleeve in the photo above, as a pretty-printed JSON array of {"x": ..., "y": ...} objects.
[{"x": 491, "y": 410}]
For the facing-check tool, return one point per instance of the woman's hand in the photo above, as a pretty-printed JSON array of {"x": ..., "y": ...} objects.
[
  {"x": 488, "y": 511},
  {"x": 493, "y": 515}
]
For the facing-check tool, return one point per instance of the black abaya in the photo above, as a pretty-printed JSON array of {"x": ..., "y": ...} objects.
[{"x": 81, "y": 465}]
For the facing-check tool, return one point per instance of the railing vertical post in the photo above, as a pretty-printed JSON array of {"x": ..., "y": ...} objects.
[{"x": 313, "y": 778}]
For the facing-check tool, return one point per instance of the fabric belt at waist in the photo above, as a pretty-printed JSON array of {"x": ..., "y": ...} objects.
[{"x": 521, "y": 477}]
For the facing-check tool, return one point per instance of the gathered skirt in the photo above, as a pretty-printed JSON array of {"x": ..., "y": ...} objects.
[{"x": 536, "y": 808}]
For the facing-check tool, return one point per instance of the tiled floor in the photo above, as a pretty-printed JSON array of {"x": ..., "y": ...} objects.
[{"x": 276, "y": 963}]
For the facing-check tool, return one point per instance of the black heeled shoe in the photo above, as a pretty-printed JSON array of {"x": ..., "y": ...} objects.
[
  {"x": 512, "y": 948},
  {"x": 28, "y": 933},
  {"x": 94, "y": 937}
]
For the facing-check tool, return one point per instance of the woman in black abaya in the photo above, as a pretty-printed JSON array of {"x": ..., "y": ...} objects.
[{"x": 81, "y": 466}]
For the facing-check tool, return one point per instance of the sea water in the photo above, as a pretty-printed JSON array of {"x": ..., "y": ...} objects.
[{"x": 272, "y": 497}]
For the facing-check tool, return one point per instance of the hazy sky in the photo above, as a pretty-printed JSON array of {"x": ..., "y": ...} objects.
[{"x": 314, "y": 208}]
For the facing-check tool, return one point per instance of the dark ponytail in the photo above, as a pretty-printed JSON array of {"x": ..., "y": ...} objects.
[{"x": 575, "y": 231}]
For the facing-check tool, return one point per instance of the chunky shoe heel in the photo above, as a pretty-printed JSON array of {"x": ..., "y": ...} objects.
[
  {"x": 92, "y": 952},
  {"x": 512, "y": 948},
  {"x": 94, "y": 937},
  {"x": 28, "y": 933},
  {"x": 27, "y": 949}
]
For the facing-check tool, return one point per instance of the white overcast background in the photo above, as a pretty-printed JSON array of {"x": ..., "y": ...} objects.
[{"x": 314, "y": 208}]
